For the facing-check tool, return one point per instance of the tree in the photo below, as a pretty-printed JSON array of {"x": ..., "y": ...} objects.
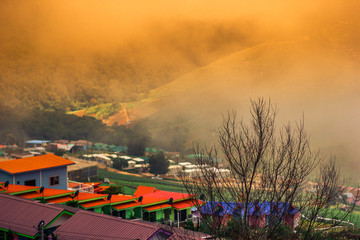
[
  {"x": 267, "y": 170},
  {"x": 120, "y": 163},
  {"x": 114, "y": 190},
  {"x": 158, "y": 163}
]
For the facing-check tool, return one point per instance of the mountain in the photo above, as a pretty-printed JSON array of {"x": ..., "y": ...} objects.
[
  {"x": 315, "y": 77},
  {"x": 180, "y": 70}
]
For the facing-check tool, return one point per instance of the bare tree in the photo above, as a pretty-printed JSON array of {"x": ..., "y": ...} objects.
[{"x": 266, "y": 178}]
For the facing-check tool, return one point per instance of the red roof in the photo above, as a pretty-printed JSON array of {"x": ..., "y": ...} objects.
[
  {"x": 33, "y": 163},
  {"x": 90, "y": 225},
  {"x": 141, "y": 190},
  {"x": 21, "y": 215}
]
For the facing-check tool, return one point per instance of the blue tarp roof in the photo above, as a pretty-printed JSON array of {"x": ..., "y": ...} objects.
[
  {"x": 37, "y": 141},
  {"x": 231, "y": 208}
]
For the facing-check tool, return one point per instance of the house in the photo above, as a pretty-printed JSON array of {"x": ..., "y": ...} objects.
[
  {"x": 21, "y": 155},
  {"x": 20, "y": 217},
  {"x": 157, "y": 206},
  {"x": 259, "y": 214},
  {"x": 89, "y": 225},
  {"x": 36, "y": 143},
  {"x": 147, "y": 203},
  {"x": 48, "y": 170},
  {"x": 24, "y": 219},
  {"x": 174, "y": 170}
]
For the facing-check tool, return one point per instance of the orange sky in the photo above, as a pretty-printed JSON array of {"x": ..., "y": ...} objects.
[{"x": 282, "y": 43}]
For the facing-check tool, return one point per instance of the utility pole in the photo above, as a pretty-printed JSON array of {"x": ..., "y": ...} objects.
[{"x": 41, "y": 229}]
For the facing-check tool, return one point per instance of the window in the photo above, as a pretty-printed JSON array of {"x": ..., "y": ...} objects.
[
  {"x": 182, "y": 215},
  {"x": 31, "y": 182},
  {"x": 54, "y": 180}
]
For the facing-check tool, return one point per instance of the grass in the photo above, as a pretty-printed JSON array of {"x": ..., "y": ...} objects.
[
  {"x": 335, "y": 213},
  {"x": 132, "y": 182},
  {"x": 103, "y": 110}
]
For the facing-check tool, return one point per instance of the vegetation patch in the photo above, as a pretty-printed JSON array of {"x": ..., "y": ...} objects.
[
  {"x": 130, "y": 181},
  {"x": 103, "y": 110}
]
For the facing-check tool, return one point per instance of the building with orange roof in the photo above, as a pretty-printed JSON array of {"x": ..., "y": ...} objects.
[
  {"x": 157, "y": 206},
  {"x": 152, "y": 205},
  {"x": 48, "y": 171},
  {"x": 12, "y": 189}
]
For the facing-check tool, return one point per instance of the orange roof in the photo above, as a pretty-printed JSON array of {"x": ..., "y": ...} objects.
[
  {"x": 95, "y": 203},
  {"x": 103, "y": 201},
  {"x": 48, "y": 192},
  {"x": 100, "y": 189},
  {"x": 185, "y": 204},
  {"x": 126, "y": 205},
  {"x": 157, "y": 207},
  {"x": 164, "y": 195},
  {"x": 33, "y": 163},
  {"x": 152, "y": 196},
  {"x": 82, "y": 197},
  {"x": 13, "y": 189},
  {"x": 141, "y": 190}
]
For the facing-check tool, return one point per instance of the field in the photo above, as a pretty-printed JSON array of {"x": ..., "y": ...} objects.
[{"x": 130, "y": 183}]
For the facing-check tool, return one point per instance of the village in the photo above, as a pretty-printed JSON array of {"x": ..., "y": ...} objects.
[{"x": 67, "y": 197}]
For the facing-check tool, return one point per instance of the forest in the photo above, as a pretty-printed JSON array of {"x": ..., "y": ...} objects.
[{"x": 21, "y": 125}]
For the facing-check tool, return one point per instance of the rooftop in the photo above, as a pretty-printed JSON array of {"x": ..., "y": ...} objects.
[
  {"x": 13, "y": 189},
  {"x": 47, "y": 193},
  {"x": 90, "y": 225},
  {"x": 33, "y": 163},
  {"x": 21, "y": 215},
  {"x": 82, "y": 197}
]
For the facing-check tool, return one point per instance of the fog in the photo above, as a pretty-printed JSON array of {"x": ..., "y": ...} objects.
[{"x": 196, "y": 59}]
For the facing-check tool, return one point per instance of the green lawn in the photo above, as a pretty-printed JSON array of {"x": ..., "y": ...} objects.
[{"x": 130, "y": 183}]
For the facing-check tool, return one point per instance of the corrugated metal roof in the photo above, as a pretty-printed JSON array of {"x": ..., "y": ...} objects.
[
  {"x": 37, "y": 141},
  {"x": 179, "y": 233},
  {"x": 33, "y": 163},
  {"x": 90, "y": 225},
  {"x": 17, "y": 189},
  {"x": 82, "y": 197},
  {"x": 153, "y": 197},
  {"x": 264, "y": 208},
  {"x": 47, "y": 193},
  {"x": 114, "y": 199},
  {"x": 141, "y": 190},
  {"x": 157, "y": 207},
  {"x": 126, "y": 205},
  {"x": 186, "y": 204},
  {"x": 65, "y": 207},
  {"x": 21, "y": 215}
]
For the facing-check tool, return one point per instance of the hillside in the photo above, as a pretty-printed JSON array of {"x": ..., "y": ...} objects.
[
  {"x": 180, "y": 70},
  {"x": 315, "y": 76}
]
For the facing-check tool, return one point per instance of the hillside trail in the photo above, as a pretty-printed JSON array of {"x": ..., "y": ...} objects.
[{"x": 127, "y": 119}]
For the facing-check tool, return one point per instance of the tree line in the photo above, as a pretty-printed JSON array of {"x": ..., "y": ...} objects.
[{"x": 17, "y": 126}]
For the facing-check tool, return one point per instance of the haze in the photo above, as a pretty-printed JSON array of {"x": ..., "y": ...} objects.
[{"x": 197, "y": 59}]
